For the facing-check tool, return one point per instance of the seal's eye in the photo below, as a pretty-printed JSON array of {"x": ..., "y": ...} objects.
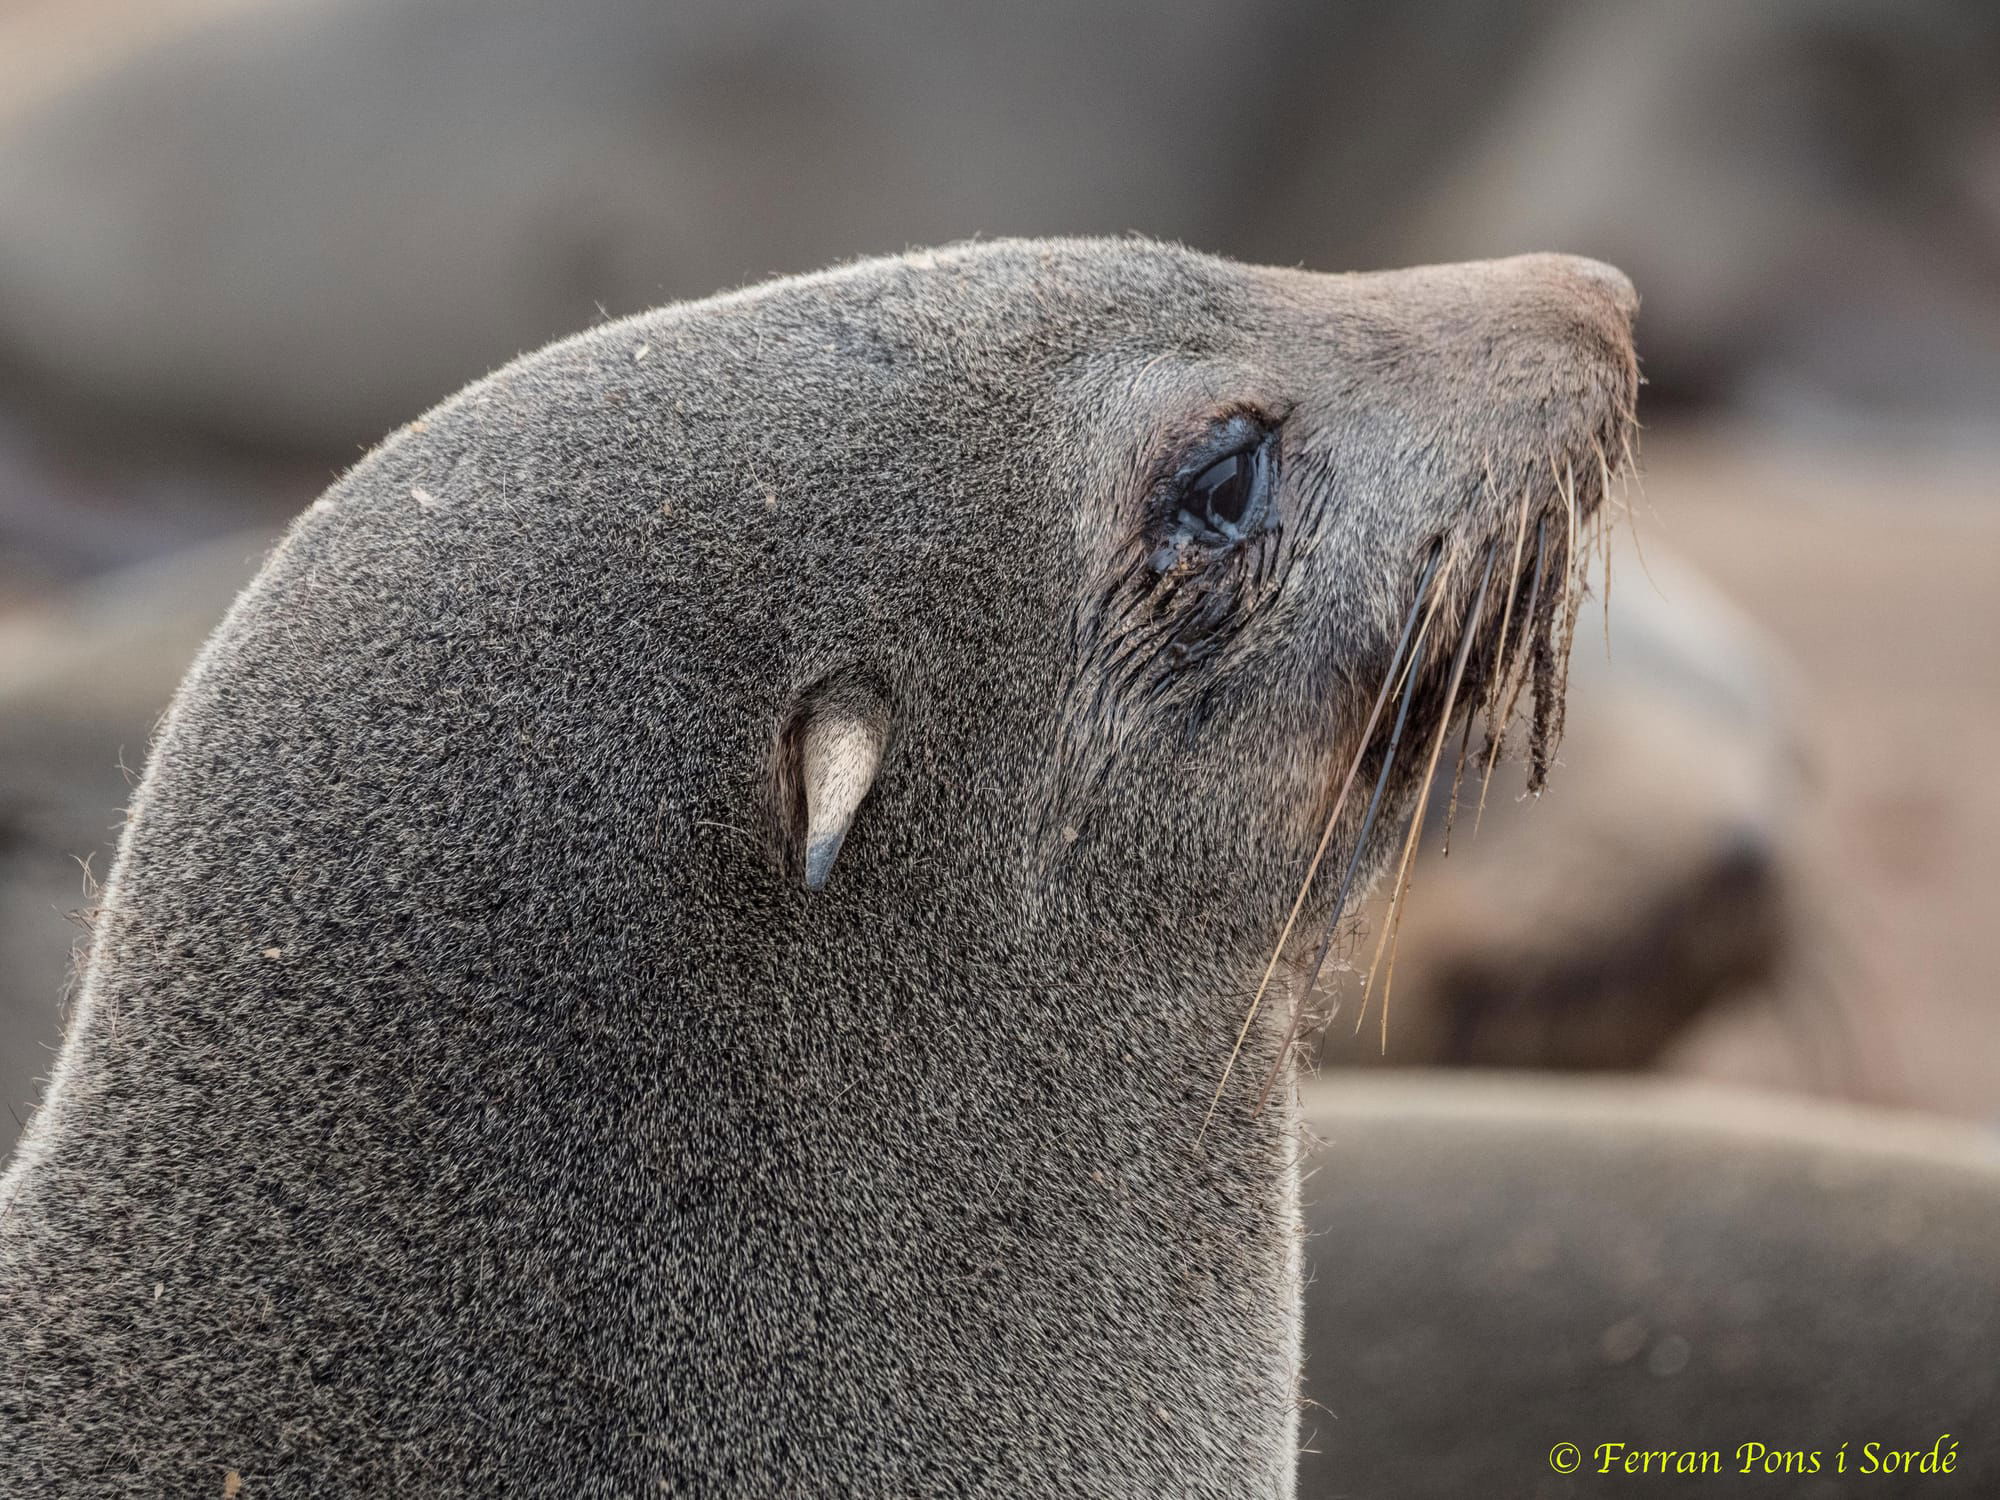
[
  {"x": 1222, "y": 490},
  {"x": 1229, "y": 498}
]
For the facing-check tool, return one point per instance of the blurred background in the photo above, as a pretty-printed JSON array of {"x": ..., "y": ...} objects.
[{"x": 242, "y": 239}]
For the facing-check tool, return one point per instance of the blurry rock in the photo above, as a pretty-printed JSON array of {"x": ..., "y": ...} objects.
[
  {"x": 310, "y": 223},
  {"x": 83, "y": 492},
  {"x": 1661, "y": 875},
  {"x": 82, "y": 683},
  {"x": 302, "y": 224},
  {"x": 1807, "y": 192},
  {"x": 1500, "y": 1266},
  {"x": 46, "y": 45},
  {"x": 1880, "y": 571}
]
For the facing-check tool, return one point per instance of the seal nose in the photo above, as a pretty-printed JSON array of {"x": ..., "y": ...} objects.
[
  {"x": 1604, "y": 294},
  {"x": 1563, "y": 307},
  {"x": 1594, "y": 280}
]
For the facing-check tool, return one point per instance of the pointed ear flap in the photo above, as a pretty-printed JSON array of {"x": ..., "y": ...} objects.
[
  {"x": 840, "y": 755},
  {"x": 828, "y": 752}
]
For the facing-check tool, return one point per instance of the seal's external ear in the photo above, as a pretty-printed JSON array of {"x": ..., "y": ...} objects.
[
  {"x": 828, "y": 752},
  {"x": 840, "y": 755}
]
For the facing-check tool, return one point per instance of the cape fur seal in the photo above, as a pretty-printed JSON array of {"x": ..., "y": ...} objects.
[{"x": 486, "y": 1078}]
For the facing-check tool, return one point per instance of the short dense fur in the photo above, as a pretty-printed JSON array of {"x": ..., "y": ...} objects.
[{"x": 464, "y": 1099}]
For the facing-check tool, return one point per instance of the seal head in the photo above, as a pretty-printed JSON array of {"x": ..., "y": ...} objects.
[{"x": 681, "y": 935}]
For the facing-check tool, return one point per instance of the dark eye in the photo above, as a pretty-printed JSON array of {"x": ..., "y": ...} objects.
[
  {"x": 1230, "y": 497},
  {"x": 1221, "y": 491}
]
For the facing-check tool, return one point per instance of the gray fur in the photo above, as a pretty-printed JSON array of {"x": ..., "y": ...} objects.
[{"x": 466, "y": 1098}]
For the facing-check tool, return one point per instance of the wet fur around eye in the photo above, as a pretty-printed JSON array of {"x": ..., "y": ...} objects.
[
  {"x": 1220, "y": 492},
  {"x": 1191, "y": 578}
]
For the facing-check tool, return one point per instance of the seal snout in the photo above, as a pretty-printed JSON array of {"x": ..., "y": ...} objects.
[
  {"x": 1553, "y": 290},
  {"x": 1591, "y": 307},
  {"x": 1591, "y": 282}
]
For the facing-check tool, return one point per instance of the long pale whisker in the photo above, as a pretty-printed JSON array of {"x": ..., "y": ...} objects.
[
  {"x": 1457, "y": 777},
  {"x": 1627, "y": 476},
  {"x": 1450, "y": 565},
  {"x": 1360, "y": 851},
  {"x": 1393, "y": 923},
  {"x": 1507, "y": 646},
  {"x": 1389, "y": 678},
  {"x": 1576, "y": 570},
  {"x": 1497, "y": 686},
  {"x": 1528, "y": 618}
]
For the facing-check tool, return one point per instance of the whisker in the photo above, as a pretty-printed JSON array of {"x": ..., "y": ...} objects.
[
  {"x": 1576, "y": 580},
  {"x": 1417, "y": 606},
  {"x": 1542, "y": 631},
  {"x": 1457, "y": 776},
  {"x": 1410, "y": 679},
  {"x": 1627, "y": 476},
  {"x": 1604, "y": 545},
  {"x": 1393, "y": 923},
  {"x": 1496, "y": 685},
  {"x": 1537, "y": 652},
  {"x": 1442, "y": 583},
  {"x": 1528, "y": 619},
  {"x": 1604, "y": 536}
]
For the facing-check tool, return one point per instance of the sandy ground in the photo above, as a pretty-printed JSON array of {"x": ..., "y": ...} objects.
[{"x": 1880, "y": 572}]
